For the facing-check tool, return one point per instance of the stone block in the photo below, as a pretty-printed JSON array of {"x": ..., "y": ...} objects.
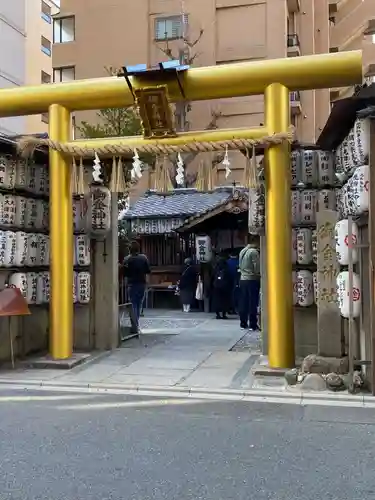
[{"x": 320, "y": 364}]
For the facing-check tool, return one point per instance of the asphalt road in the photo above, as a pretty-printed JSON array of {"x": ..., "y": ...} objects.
[{"x": 58, "y": 446}]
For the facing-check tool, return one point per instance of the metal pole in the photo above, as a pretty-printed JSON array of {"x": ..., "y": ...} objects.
[
  {"x": 61, "y": 234},
  {"x": 279, "y": 233}
]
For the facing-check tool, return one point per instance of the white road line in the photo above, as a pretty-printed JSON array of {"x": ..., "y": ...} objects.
[
  {"x": 131, "y": 404},
  {"x": 22, "y": 399}
]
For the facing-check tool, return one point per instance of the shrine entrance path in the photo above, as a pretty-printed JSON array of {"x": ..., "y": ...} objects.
[{"x": 175, "y": 350}]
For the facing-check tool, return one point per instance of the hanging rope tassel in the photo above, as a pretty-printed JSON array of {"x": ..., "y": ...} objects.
[
  {"x": 113, "y": 181},
  {"x": 81, "y": 186},
  {"x": 157, "y": 175},
  {"x": 253, "y": 170},
  {"x": 167, "y": 185},
  {"x": 74, "y": 178},
  {"x": 121, "y": 186},
  {"x": 200, "y": 181}
]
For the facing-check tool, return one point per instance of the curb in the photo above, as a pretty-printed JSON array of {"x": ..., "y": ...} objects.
[{"x": 269, "y": 396}]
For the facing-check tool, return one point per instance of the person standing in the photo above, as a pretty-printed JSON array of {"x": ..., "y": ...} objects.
[
  {"x": 187, "y": 285},
  {"x": 136, "y": 271},
  {"x": 249, "y": 266},
  {"x": 221, "y": 288},
  {"x": 233, "y": 269}
]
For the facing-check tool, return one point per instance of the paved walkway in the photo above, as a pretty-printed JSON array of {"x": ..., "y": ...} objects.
[
  {"x": 175, "y": 349},
  {"x": 192, "y": 353}
]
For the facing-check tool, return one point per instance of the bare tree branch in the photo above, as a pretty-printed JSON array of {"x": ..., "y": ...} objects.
[{"x": 197, "y": 40}]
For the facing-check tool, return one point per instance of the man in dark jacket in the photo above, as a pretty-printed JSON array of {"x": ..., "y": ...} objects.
[{"x": 136, "y": 270}]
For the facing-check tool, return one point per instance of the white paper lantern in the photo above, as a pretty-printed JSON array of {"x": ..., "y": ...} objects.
[
  {"x": 21, "y": 249},
  {"x": 326, "y": 200},
  {"x": 316, "y": 290},
  {"x": 9, "y": 210},
  {"x": 75, "y": 295},
  {"x": 355, "y": 193},
  {"x": 314, "y": 245},
  {"x": 11, "y": 249},
  {"x": 203, "y": 248},
  {"x": 361, "y": 140},
  {"x": 257, "y": 209},
  {"x": 295, "y": 167},
  {"x": 82, "y": 250},
  {"x": 83, "y": 287},
  {"x": 20, "y": 211},
  {"x": 294, "y": 246},
  {"x": 43, "y": 288},
  {"x": 21, "y": 174},
  {"x": 305, "y": 288},
  {"x": 295, "y": 287},
  {"x": 42, "y": 179},
  {"x": 101, "y": 210},
  {"x": 296, "y": 208},
  {"x": 32, "y": 288},
  {"x": 80, "y": 211},
  {"x": 43, "y": 249},
  {"x": 308, "y": 206},
  {"x": 45, "y": 217},
  {"x": 339, "y": 166},
  {"x": 342, "y": 242},
  {"x": 19, "y": 280},
  {"x": 3, "y": 248},
  {"x": 31, "y": 177},
  {"x": 326, "y": 169},
  {"x": 343, "y": 294},
  {"x": 39, "y": 214},
  {"x": 309, "y": 173},
  {"x": 4, "y": 160},
  {"x": 32, "y": 250},
  {"x": 304, "y": 246},
  {"x": 31, "y": 213},
  {"x": 11, "y": 171}
]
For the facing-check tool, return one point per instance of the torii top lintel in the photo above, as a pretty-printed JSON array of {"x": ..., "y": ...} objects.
[{"x": 319, "y": 71}]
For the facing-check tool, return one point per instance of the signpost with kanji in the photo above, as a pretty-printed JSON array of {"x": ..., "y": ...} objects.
[{"x": 329, "y": 318}]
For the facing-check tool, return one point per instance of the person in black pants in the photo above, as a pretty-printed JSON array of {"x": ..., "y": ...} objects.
[
  {"x": 136, "y": 270},
  {"x": 221, "y": 288}
]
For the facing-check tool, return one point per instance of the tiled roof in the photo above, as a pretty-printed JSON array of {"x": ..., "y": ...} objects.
[{"x": 180, "y": 203}]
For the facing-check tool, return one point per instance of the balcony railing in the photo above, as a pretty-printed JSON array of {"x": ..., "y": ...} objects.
[{"x": 293, "y": 40}]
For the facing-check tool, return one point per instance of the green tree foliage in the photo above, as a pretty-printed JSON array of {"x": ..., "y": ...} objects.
[{"x": 112, "y": 122}]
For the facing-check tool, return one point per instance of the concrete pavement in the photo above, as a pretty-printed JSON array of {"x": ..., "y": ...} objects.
[
  {"x": 182, "y": 353},
  {"x": 115, "y": 447}
]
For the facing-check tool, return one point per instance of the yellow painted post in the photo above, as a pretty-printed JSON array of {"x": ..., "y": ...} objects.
[
  {"x": 61, "y": 237},
  {"x": 279, "y": 233}
]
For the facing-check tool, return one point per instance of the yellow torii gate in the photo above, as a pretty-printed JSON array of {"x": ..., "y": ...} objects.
[{"x": 274, "y": 78}]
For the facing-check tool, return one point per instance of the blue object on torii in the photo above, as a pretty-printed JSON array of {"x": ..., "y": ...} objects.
[{"x": 166, "y": 70}]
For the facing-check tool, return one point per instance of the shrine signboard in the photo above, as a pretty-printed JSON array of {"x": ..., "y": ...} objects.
[{"x": 329, "y": 318}]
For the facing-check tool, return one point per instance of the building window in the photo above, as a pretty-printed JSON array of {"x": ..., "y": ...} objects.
[
  {"x": 46, "y": 46},
  {"x": 66, "y": 74},
  {"x": 170, "y": 28},
  {"x": 46, "y": 12},
  {"x": 45, "y": 118},
  {"x": 45, "y": 77},
  {"x": 64, "y": 30}
]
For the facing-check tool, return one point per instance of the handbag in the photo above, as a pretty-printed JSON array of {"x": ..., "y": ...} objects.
[{"x": 199, "y": 290}]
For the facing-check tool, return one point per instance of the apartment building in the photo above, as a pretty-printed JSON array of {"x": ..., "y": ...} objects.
[
  {"x": 352, "y": 26},
  {"x": 26, "y": 57},
  {"x": 125, "y": 32}
]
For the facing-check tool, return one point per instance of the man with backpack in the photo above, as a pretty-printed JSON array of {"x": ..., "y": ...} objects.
[
  {"x": 249, "y": 266},
  {"x": 136, "y": 270}
]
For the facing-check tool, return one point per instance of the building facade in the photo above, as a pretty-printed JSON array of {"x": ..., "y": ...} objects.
[
  {"x": 124, "y": 32},
  {"x": 352, "y": 26},
  {"x": 26, "y": 29}
]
